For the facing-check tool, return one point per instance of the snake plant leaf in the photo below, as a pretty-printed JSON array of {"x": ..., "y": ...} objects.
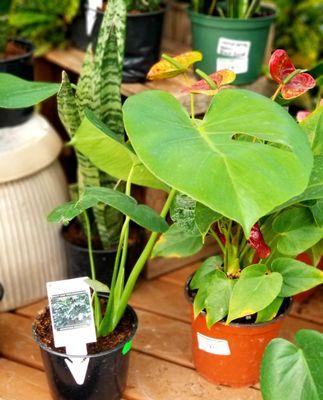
[
  {"x": 177, "y": 243},
  {"x": 105, "y": 150},
  {"x": 192, "y": 217},
  {"x": 253, "y": 291},
  {"x": 240, "y": 180},
  {"x": 19, "y": 93},
  {"x": 297, "y": 276},
  {"x": 297, "y": 231},
  {"x": 293, "y": 371},
  {"x": 141, "y": 214},
  {"x": 313, "y": 126}
]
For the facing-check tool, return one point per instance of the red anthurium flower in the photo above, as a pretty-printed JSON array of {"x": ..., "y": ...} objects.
[
  {"x": 256, "y": 241},
  {"x": 281, "y": 67},
  {"x": 219, "y": 78}
]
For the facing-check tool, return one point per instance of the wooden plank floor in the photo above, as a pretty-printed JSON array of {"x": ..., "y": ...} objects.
[{"x": 161, "y": 363}]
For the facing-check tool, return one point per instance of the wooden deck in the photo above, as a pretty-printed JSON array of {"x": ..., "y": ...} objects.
[{"x": 161, "y": 366}]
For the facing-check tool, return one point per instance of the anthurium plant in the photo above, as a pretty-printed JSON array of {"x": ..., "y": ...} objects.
[{"x": 230, "y": 170}]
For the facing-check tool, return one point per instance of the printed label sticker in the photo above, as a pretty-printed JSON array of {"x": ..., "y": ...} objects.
[
  {"x": 233, "y": 48},
  {"x": 237, "y": 65},
  {"x": 212, "y": 345}
]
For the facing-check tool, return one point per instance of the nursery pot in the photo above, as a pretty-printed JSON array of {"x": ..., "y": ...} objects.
[
  {"x": 142, "y": 45},
  {"x": 231, "y": 354},
  {"x": 20, "y": 65},
  {"x": 230, "y": 43},
  {"x": 106, "y": 375},
  {"x": 78, "y": 263}
]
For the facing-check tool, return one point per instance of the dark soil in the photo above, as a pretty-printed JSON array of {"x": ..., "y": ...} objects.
[
  {"x": 12, "y": 50},
  {"x": 43, "y": 330},
  {"x": 75, "y": 235}
]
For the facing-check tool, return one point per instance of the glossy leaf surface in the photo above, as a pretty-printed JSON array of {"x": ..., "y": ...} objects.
[{"x": 240, "y": 180}]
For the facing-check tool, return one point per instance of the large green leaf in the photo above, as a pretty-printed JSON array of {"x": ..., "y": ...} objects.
[
  {"x": 269, "y": 312},
  {"x": 105, "y": 150},
  {"x": 239, "y": 179},
  {"x": 141, "y": 214},
  {"x": 297, "y": 276},
  {"x": 313, "y": 126},
  {"x": 254, "y": 290},
  {"x": 177, "y": 243},
  {"x": 208, "y": 266},
  {"x": 18, "y": 93},
  {"x": 293, "y": 371},
  {"x": 218, "y": 297},
  {"x": 296, "y": 231},
  {"x": 317, "y": 211}
]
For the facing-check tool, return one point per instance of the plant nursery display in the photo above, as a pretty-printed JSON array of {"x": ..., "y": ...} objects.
[
  {"x": 142, "y": 37},
  {"x": 293, "y": 371},
  {"x": 246, "y": 158},
  {"x": 231, "y": 35}
]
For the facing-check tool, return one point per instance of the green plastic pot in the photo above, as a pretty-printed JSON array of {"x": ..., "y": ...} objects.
[{"x": 230, "y": 43}]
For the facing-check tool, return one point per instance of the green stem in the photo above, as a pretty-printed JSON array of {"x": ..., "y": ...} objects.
[
  {"x": 207, "y": 79},
  {"x": 292, "y": 75},
  {"x": 212, "y": 7},
  {"x": 252, "y": 8},
  {"x": 192, "y": 106},
  {"x": 141, "y": 263},
  {"x": 274, "y": 96},
  {"x": 216, "y": 237},
  {"x": 89, "y": 244},
  {"x": 175, "y": 63}
]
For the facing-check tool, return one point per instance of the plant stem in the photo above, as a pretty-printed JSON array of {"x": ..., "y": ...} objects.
[
  {"x": 140, "y": 263},
  {"x": 212, "y": 7},
  {"x": 252, "y": 8},
  {"x": 89, "y": 244},
  {"x": 274, "y": 96},
  {"x": 207, "y": 79},
  {"x": 216, "y": 237},
  {"x": 175, "y": 63},
  {"x": 192, "y": 106}
]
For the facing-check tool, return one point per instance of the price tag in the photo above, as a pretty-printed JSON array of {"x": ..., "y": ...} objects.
[
  {"x": 72, "y": 321},
  {"x": 233, "y": 55},
  {"x": 212, "y": 345}
]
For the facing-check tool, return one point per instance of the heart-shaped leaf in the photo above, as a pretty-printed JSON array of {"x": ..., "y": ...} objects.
[
  {"x": 202, "y": 273},
  {"x": 164, "y": 69},
  {"x": 297, "y": 231},
  {"x": 104, "y": 149},
  {"x": 141, "y": 214},
  {"x": 270, "y": 312},
  {"x": 19, "y": 93},
  {"x": 240, "y": 180},
  {"x": 253, "y": 291},
  {"x": 313, "y": 126},
  {"x": 293, "y": 371},
  {"x": 177, "y": 243},
  {"x": 297, "y": 276}
]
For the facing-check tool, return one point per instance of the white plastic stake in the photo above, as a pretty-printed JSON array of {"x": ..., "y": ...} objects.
[{"x": 77, "y": 365}]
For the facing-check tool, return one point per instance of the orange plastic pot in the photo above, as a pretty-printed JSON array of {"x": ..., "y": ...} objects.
[{"x": 231, "y": 354}]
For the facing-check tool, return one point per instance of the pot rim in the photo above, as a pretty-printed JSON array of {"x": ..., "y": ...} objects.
[
  {"x": 30, "y": 48},
  {"x": 239, "y": 324},
  {"x": 102, "y": 353},
  {"x": 162, "y": 10},
  {"x": 249, "y": 20}
]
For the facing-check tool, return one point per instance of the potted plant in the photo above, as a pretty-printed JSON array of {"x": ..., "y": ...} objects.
[
  {"x": 15, "y": 58},
  {"x": 231, "y": 34},
  {"x": 143, "y": 35},
  {"x": 293, "y": 371},
  {"x": 95, "y": 92},
  {"x": 107, "y": 359},
  {"x": 243, "y": 160}
]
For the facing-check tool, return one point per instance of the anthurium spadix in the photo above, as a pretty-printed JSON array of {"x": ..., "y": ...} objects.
[{"x": 244, "y": 158}]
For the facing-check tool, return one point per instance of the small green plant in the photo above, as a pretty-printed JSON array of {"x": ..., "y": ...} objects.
[
  {"x": 241, "y": 9},
  {"x": 293, "y": 371}
]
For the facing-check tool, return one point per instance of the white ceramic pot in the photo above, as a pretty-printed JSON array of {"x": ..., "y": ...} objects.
[{"x": 32, "y": 183}]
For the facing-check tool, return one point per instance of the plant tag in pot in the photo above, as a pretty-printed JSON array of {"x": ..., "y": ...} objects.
[
  {"x": 72, "y": 322},
  {"x": 212, "y": 345},
  {"x": 233, "y": 55}
]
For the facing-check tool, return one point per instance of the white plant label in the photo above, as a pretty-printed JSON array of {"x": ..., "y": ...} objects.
[
  {"x": 212, "y": 345},
  {"x": 234, "y": 55},
  {"x": 93, "y": 5},
  {"x": 237, "y": 65},
  {"x": 72, "y": 322}
]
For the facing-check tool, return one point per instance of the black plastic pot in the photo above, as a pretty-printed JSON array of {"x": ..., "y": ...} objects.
[
  {"x": 78, "y": 261},
  {"x": 143, "y": 41},
  {"x": 22, "y": 66},
  {"x": 106, "y": 376}
]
